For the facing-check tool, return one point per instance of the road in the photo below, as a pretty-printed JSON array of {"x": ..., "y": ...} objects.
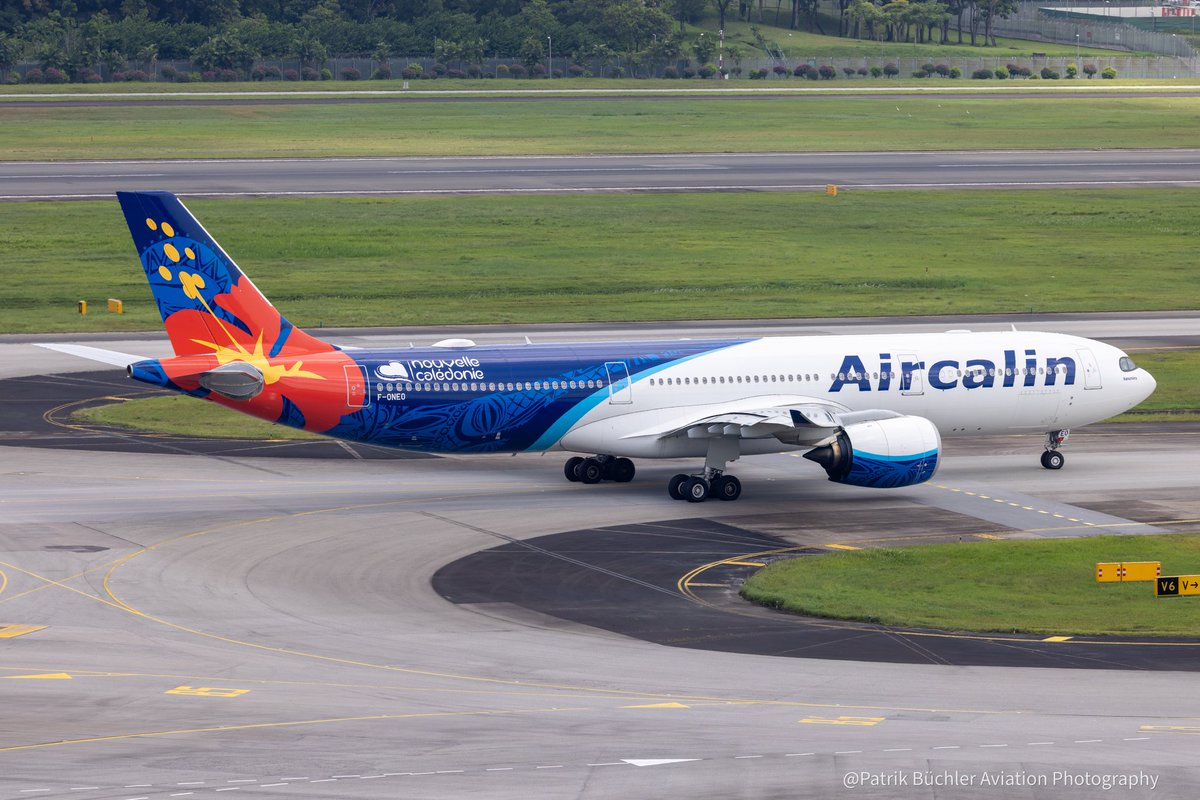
[
  {"x": 23, "y": 181},
  {"x": 216, "y": 624}
]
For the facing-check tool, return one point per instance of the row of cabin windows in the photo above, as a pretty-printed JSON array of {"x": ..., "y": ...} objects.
[{"x": 703, "y": 380}]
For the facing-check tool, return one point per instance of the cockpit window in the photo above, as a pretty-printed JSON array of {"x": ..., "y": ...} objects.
[{"x": 1127, "y": 364}]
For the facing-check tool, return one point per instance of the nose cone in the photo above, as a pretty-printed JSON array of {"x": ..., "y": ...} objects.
[{"x": 1147, "y": 384}]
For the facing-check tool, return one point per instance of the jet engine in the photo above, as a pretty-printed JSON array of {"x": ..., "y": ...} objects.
[{"x": 881, "y": 454}]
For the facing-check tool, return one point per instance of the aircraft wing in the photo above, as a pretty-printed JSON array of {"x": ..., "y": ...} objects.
[
  {"x": 807, "y": 422},
  {"x": 94, "y": 353}
]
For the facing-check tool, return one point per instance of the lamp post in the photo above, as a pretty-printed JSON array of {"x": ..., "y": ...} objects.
[
  {"x": 550, "y": 71},
  {"x": 721, "y": 54},
  {"x": 1077, "y": 48}
]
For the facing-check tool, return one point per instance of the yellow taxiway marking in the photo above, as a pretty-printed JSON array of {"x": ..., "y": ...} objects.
[
  {"x": 47, "y": 676},
  {"x": 989, "y": 536},
  {"x": 861, "y": 721},
  {"x": 842, "y": 546},
  {"x": 12, "y": 631},
  {"x": 287, "y": 724},
  {"x": 1184, "y": 729},
  {"x": 659, "y": 705},
  {"x": 207, "y": 691},
  {"x": 1058, "y": 639},
  {"x": 743, "y": 564}
]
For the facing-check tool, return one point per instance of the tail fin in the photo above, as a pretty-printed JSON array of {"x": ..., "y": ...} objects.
[{"x": 207, "y": 305}]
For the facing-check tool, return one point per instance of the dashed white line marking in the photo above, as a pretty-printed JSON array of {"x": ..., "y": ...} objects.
[
  {"x": 898, "y": 750},
  {"x": 948, "y": 747},
  {"x": 347, "y": 776},
  {"x": 242, "y": 780},
  {"x": 846, "y": 752},
  {"x": 369, "y": 777},
  {"x": 1035, "y": 744},
  {"x": 26, "y": 791},
  {"x": 747, "y": 757},
  {"x": 1137, "y": 739},
  {"x": 993, "y": 745},
  {"x": 791, "y": 755},
  {"x": 229, "y": 789},
  {"x": 508, "y": 769},
  {"x": 83, "y": 788},
  {"x": 138, "y": 785},
  {"x": 323, "y": 780},
  {"x": 190, "y": 783},
  {"x": 453, "y": 771},
  {"x": 291, "y": 779},
  {"x": 269, "y": 785},
  {"x": 181, "y": 794},
  {"x": 1087, "y": 741}
]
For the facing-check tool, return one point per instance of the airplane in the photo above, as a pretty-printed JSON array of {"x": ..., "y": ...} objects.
[{"x": 870, "y": 409}]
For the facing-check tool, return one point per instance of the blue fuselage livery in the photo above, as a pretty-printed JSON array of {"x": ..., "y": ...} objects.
[{"x": 871, "y": 410}]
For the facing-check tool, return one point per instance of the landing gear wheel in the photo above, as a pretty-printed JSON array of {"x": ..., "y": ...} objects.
[
  {"x": 696, "y": 490},
  {"x": 675, "y": 486},
  {"x": 727, "y": 487},
  {"x": 571, "y": 468},
  {"x": 622, "y": 470},
  {"x": 1052, "y": 459},
  {"x": 591, "y": 471}
]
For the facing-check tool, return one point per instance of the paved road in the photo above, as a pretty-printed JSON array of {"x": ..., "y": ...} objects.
[
  {"x": 581, "y": 174},
  {"x": 224, "y": 625}
]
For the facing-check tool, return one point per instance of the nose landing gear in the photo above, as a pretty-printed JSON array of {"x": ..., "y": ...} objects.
[{"x": 1051, "y": 457}]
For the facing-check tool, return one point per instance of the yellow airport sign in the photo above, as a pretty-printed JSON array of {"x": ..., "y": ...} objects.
[
  {"x": 116, "y": 306},
  {"x": 1177, "y": 586},
  {"x": 1112, "y": 571}
]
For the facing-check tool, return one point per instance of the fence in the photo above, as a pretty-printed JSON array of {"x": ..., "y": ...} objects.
[{"x": 1084, "y": 30}]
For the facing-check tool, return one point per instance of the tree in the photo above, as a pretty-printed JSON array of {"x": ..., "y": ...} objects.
[
  {"x": 687, "y": 11},
  {"x": 722, "y": 6},
  {"x": 704, "y": 47}
]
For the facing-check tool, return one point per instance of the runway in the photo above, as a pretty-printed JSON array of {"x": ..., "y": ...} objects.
[
  {"x": 313, "y": 177},
  {"x": 215, "y": 624}
]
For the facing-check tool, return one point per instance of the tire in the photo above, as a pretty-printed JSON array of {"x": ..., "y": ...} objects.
[
  {"x": 1052, "y": 459},
  {"x": 623, "y": 470},
  {"x": 591, "y": 471},
  {"x": 727, "y": 488},
  {"x": 695, "y": 490},
  {"x": 675, "y": 486},
  {"x": 571, "y": 468}
]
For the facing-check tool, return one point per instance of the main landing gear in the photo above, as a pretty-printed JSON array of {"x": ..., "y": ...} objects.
[
  {"x": 698, "y": 488},
  {"x": 1052, "y": 458},
  {"x": 599, "y": 468}
]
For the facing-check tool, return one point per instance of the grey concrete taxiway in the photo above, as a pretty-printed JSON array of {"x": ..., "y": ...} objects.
[
  {"x": 177, "y": 625},
  {"x": 1027, "y": 169}
]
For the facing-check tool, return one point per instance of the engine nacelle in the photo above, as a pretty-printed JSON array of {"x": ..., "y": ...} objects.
[{"x": 883, "y": 454}]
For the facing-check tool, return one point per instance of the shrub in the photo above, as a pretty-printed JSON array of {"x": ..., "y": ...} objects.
[
  {"x": 326, "y": 75},
  {"x": 439, "y": 69},
  {"x": 1089, "y": 70},
  {"x": 941, "y": 69},
  {"x": 1021, "y": 71},
  {"x": 537, "y": 71},
  {"x": 982, "y": 74},
  {"x": 576, "y": 71},
  {"x": 757, "y": 74},
  {"x": 708, "y": 70},
  {"x": 456, "y": 73},
  {"x": 1034, "y": 77},
  {"x": 351, "y": 74},
  {"x": 1109, "y": 73},
  {"x": 1013, "y": 69},
  {"x": 258, "y": 74},
  {"x": 928, "y": 69},
  {"x": 414, "y": 71},
  {"x": 225, "y": 75},
  {"x": 518, "y": 71},
  {"x": 863, "y": 71},
  {"x": 13, "y": 78},
  {"x": 54, "y": 75},
  {"x": 1001, "y": 73},
  {"x": 273, "y": 73},
  {"x": 688, "y": 73},
  {"x": 876, "y": 71},
  {"x": 849, "y": 72},
  {"x": 473, "y": 71},
  {"x": 208, "y": 76},
  {"x": 670, "y": 73},
  {"x": 118, "y": 77},
  {"x": 88, "y": 77},
  {"x": 168, "y": 72},
  {"x": 827, "y": 72},
  {"x": 1072, "y": 71},
  {"x": 800, "y": 71},
  {"x": 309, "y": 74},
  {"x": 780, "y": 70},
  {"x": 891, "y": 70},
  {"x": 920, "y": 73},
  {"x": 34, "y": 76},
  {"x": 185, "y": 77},
  {"x": 1049, "y": 74},
  {"x": 291, "y": 75},
  {"x": 381, "y": 74},
  {"x": 956, "y": 72}
]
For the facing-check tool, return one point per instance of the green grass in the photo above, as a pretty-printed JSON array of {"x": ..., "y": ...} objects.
[
  {"x": 523, "y": 127},
  {"x": 1043, "y": 587},
  {"x": 181, "y": 415},
  {"x": 447, "y": 260}
]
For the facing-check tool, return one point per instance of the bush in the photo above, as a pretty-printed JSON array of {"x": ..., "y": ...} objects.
[
  {"x": 956, "y": 72},
  {"x": 1089, "y": 70},
  {"x": 1109, "y": 73},
  {"x": 518, "y": 71},
  {"x": 1034, "y": 77},
  {"x": 273, "y": 73},
  {"x": 670, "y": 73},
  {"x": 414, "y": 71},
  {"x": 941, "y": 69},
  {"x": 473, "y": 71},
  {"x": 258, "y": 74},
  {"x": 351, "y": 74},
  {"x": 708, "y": 70},
  {"x": 309, "y": 74},
  {"x": 1049, "y": 74},
  {"x": 118, "y": 77},
  {"x": 920, "y": 73},
  {"x": 576, "y": 71},
  {"x": 891, "y": 70},
  {"x": 88, "y": 77},
  {"x": 381, "y": 74},
  {"x": 291, "y": 75},
  {"x": 757, "y": 74},
  {"x": 12, "y": 78},
  {"x": 536, "y": 71},
  {"x": 326, "y": 75},
  {"x": 186, "y": 77},
  {"x": 827, "y": 72},
  {"x": 780, "y": 70},
  {"x": 1072, "y": 71},
  {"x": 688, "y": 73},
  {"x": 439, "y": 69},
  {"x": 54, "y": 75},
  {"x": 800, "y": 71},
  {"x": 1021, "y": 71},
  {"x": 208, "y": 76},
  {"x": 849, "y": 72},
  {"x": 456, "y": 73},
  {"x": 863, "y": 71},
  {"x": 928, "y": 69},
  {"x": 876, "y": 71},
  {"x": 982, "y": 74},
  {"x": 1001, "y": 73},
  {"x": 168, "y": 72},
  {"x": 34, "y": 76},
  {"x": 224, "y": 75}
]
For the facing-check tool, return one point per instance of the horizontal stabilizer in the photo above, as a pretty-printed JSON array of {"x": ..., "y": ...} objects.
[{"x": 94, "y": 353}]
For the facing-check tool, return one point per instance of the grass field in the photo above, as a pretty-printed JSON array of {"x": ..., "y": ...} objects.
[
  {"x": 391, "y": 261},
  {"x": 1027, "y": 587},
  {"x": 1177, "y": 398},
  {"x": 181, "y": 415},
  {"x": 652, "y": 124}
]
